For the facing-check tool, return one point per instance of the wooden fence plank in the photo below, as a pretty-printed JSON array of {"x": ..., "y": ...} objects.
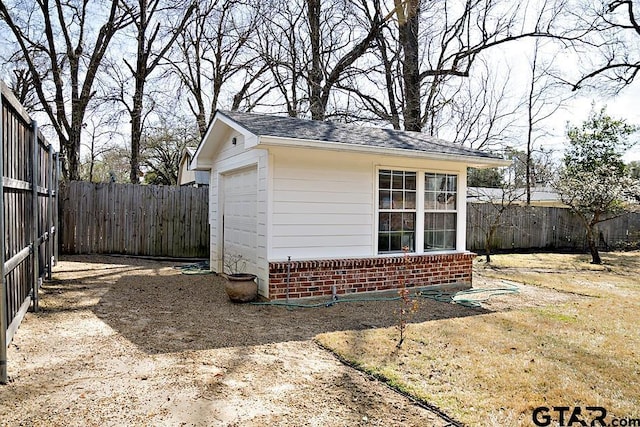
[
  {"x": 26, "y": 212},
  {"x": 135, "y": 219},
  {"x": 523, "y": 228},
  {"x": 173, "y": 221}
]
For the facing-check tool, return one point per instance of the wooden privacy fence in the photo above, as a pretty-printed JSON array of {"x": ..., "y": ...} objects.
[
  {"x": 133, "y": 219},
  {"x": 534, "y": 227},
  {"x": 173, "y": 221},
  {"x": 28, "y": 216}
]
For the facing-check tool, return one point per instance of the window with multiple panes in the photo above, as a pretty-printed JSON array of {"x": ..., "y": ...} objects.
[
  {"x": 398, "y": 210},
  {"x": 440, "y": 195},
  {"x": 397, "y": 192}
]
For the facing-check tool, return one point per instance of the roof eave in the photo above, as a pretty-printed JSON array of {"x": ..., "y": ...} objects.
[
  {"x": 202, "y": 163},
  {"x": 266, "y": 141}
]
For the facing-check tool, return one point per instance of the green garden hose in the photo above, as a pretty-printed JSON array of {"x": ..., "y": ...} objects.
[
  {"x": 465, "y": 297},
  {"x": 197, "y": 268}
]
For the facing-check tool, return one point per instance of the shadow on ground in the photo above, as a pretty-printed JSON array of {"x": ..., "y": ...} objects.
[{"x": 161, "y": 310}]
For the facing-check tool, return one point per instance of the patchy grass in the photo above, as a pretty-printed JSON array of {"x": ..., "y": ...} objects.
[{"x": 496, "y": 367}]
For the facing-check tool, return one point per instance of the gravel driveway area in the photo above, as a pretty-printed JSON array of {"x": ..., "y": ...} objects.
[{"x": 125, "y": 341}]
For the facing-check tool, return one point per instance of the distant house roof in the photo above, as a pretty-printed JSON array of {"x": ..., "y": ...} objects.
[
  {"x": 332, "y": 132},
  {"x": 540, "y": 196}
]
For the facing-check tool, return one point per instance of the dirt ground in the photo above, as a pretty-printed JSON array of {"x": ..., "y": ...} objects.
[{"x": 124, "y": 341}]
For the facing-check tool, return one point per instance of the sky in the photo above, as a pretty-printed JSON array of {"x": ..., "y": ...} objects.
[{"x": 625, "y": 105}]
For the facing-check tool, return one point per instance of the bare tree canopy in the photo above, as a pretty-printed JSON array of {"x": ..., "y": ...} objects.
[
  {"x": 19, "y": 79},
  {"x": 108, "y": 67},
  {"x": 312, "y": 48},
  {"x": 161, "y": 150},
  {"x": 434, "y": 43},
  {"x": 613, "y": 34},
  {"x": 212, "y": 51},
  {"x": 545, "y": 97},
  {"x": 156, "y": 24},
  {"x": 63, "y": 44}
]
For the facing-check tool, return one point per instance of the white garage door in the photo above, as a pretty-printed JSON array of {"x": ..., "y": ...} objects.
[{"x": 240, "y": 216}]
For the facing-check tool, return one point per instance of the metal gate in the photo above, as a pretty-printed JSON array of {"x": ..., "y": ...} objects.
[{"x": 28, "y": 216}]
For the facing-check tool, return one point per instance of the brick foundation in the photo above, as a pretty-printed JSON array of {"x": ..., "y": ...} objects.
[{"x": 318, "y": 277}]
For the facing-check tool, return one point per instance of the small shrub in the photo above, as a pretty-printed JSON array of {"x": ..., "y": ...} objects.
[{"x": 408, "y": 305}]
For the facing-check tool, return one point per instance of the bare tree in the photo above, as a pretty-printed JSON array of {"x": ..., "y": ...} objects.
[
  {"x": 540, "y": 164},
  {"x": 156, "y": 32},
  {"x": 162, "y": 147},
  {"x": 311, "y": 48},
  {"x": 439, "y": 43},
  {"x": 479, "y": 111},
  {"x": 156, "y": 26},
  {"x": 546, "y": 95},
  {"x": 498, "y": 200},
  {"x": 100, "y": 130},
  {"x": 613, "y": 29},
  {"x": 279, "y": 44},
  {"x": 63, "y": 44},
  {"x": 332, "y": 58},
  {"x": 23, "y": 87},
  {"x": 17, "y": 76},
  {"x": 213, "y": 51}
]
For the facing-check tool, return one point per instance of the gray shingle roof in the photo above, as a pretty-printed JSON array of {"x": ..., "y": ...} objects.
[{"x": 289, "y": 127}]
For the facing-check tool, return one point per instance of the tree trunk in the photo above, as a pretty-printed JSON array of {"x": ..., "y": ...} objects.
[
  {"x": 92, "y": 156},
  {"x": 487, "y": 251},
  {"x": 527, "y": 174},
  {"x": 489, "y": 238},
  {"x": 407, "y": 12},
  {"x": 136, "y": 132},
  {"x": 151, "y": 48},
  {"x": 530, "y": 102},
  {"x": 315, "y": 74},
  {"x": 140, "y": 76},
  {"x": 388, "y": 75},
  {"x": 70, "y": 150},
  {"x": 593, "y": 246},
  {"x": 73, "y": 155}
]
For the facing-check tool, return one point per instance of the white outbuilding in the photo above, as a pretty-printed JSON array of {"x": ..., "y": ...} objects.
[
  {"x": 317, "y": 207},
  {"x": 188, "y": 176}
]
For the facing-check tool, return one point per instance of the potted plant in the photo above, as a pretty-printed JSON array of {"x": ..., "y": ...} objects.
[{"x": 239, "y": 286}]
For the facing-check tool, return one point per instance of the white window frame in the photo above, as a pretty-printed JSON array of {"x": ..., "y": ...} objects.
[
  {"x": 380, "y": 210},
  {"x": 420, "y": 211},
  {"x": 425, "y": 211}
]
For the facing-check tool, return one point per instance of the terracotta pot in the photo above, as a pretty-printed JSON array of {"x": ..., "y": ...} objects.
[{"x": 241, "y": 287}]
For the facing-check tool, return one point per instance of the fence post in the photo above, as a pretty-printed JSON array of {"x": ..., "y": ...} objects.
[
  {"x": 4, "y": 321},
  {"x": 56, "y": 209},
  {"x": 50, "y": 225},
  {"x": 35, "y": 173}
]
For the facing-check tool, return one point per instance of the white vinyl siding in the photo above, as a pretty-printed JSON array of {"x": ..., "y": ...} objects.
[
  {"x": 312, "y": 202},
  {"x": 321, "y": 205},
  {"x": 232, "y": 158}
]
